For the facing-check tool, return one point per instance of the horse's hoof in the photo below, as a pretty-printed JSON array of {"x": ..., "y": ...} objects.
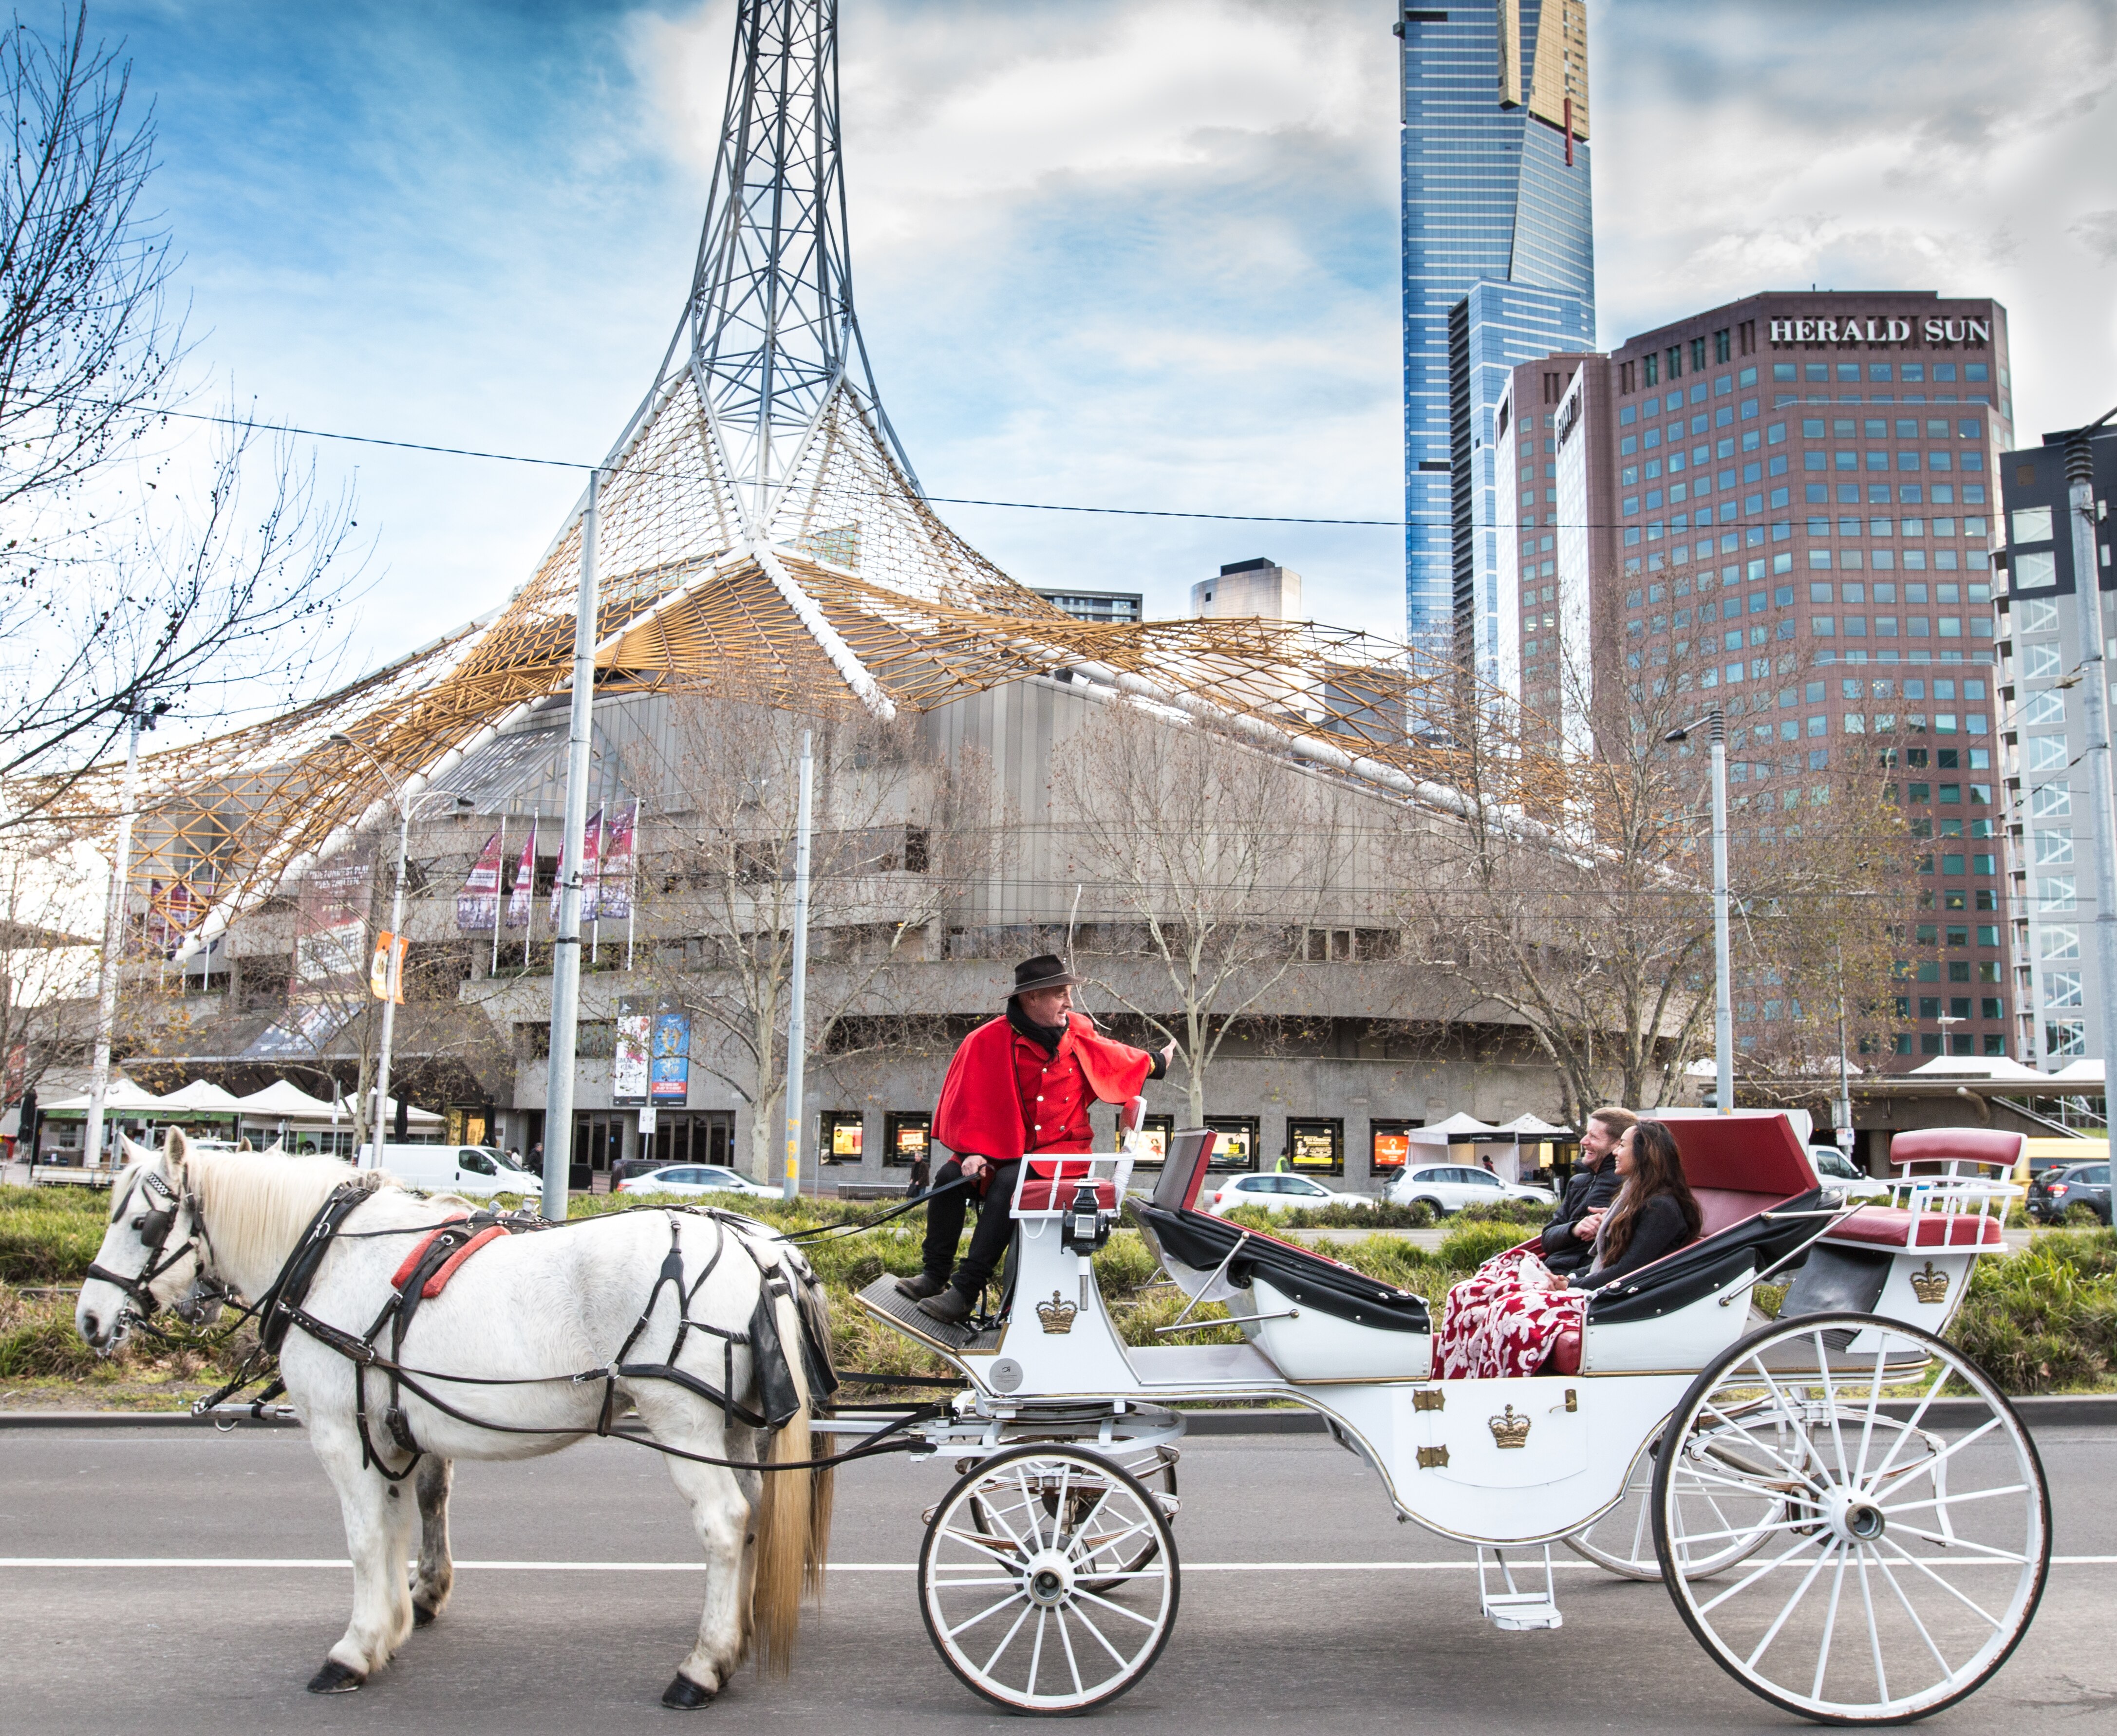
[
  {"x": 335, "y": 1679},
  {"x": 424, "y": 1615},
  {"x": 684, "y": 1695}
]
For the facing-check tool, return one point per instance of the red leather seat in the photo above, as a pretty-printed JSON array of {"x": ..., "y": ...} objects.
[
  {"x": 1890, "y": 1226},
  {"x": 1041, "y": 1195}
]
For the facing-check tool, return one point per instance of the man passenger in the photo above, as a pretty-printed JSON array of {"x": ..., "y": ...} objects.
[{"x": 1591, "y": 1188}]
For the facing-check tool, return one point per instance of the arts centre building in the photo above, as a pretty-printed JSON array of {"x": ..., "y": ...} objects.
[{"x": 1217, "y": 818}]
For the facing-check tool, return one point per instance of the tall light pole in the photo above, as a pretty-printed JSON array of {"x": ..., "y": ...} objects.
[
  {"x": 139, "y": 715},
  {"x": 797, "y": 1002},
  {"x": 566, "y": 943},
  {"x": 391, "y": 978},
  {"x": 1724, "y": 993}
]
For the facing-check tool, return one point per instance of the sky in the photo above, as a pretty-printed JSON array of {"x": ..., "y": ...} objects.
[{"x": 1138, "y": 253}]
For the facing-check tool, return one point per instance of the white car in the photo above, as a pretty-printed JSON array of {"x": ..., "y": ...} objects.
[
  {"x": 1841, "y": 1176},
  {"x": 1449, "y": 1187},
  {"x": 1275, "y": 1193},
  {"x": 695, "y": 1178}
]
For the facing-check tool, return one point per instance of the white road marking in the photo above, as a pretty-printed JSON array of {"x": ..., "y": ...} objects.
[{"x": 31, "y": 1563}]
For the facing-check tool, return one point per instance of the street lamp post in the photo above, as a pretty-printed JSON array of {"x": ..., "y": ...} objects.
[
  {"x": 391, "y": 978},
  {"x": 1723, "y": 1002},
  {"x": 138, "y": 715}
]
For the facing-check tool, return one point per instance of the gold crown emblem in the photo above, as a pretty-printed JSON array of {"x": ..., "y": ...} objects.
[
  {"x": 1509, "y": 1430},
  {"x": 1930, "y": 1285},
  {"x": 1057, "y": 1314}
]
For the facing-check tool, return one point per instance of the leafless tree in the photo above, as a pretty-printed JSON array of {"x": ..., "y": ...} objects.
[
  {"x": 1221, "y": 855},
  {"x": 1590, "y": 920},
  {"x": 46, "y": 970},
  {"x": 131, "y": 565},
  {"x": 898, "y": 836}
]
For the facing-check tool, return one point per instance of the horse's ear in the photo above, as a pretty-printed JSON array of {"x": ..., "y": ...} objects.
[{"x": 175, "y": 1151}]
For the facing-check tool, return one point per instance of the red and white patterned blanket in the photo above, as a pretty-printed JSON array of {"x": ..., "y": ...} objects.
[{"x": 1505, "y": 1319}]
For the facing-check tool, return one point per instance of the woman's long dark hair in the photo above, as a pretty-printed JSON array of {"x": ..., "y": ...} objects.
[{"x": 1656, "y": 1169}]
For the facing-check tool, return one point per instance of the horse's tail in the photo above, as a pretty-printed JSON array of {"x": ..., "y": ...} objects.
[{"x": 790, "y": 1545}]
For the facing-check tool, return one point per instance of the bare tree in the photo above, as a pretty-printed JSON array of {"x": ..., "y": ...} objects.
[
  {"x": 898, "y": 837},
  {"x": 125, "y": 573},
  {"x": 1221, "y": 855},
  {"x": 1591, "y": 924},
  {"x": 47, "y": 971}
]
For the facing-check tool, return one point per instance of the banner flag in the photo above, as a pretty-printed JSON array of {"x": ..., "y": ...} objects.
[
  {"x": 614, "y": 874},
  {"x": 591, "y": 836},
  {"x": 525, "y": 881},
  {"x": 386, "y": 971},
  {"x": 478, "y": 904}
]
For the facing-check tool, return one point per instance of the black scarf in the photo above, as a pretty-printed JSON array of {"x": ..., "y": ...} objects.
[{"x": 1045, "y": 1037}]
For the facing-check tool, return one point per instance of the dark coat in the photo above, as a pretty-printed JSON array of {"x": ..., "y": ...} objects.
[
  {"x": 1586, "y": 1191},
  {"x": 1659, "y": 1229}
]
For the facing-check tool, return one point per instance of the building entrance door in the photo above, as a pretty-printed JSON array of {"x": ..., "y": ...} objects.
[{"x": 693, "y": 1136}]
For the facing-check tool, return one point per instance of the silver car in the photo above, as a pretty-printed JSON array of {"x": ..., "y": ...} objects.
[{"x": 1449, "y": 1187}]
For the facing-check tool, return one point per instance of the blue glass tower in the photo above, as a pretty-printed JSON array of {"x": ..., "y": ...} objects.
[{"x": 1499, "y": 268}]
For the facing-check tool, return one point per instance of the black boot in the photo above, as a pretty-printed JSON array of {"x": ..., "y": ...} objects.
[
  {"x": 920, "y": 1287},
  {"x": 951, "y": 1305}
]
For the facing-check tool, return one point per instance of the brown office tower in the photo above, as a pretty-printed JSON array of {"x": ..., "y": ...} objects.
[{"x": 1788, "y": 505}]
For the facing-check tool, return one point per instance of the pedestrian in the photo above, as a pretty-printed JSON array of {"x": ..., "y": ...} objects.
[
  {"x": 922, "y": 1168},
  {"x": 1020, "y": 1084}
]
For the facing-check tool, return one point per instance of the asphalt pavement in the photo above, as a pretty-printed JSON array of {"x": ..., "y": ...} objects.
[{"x": 1305, "y": 1608}]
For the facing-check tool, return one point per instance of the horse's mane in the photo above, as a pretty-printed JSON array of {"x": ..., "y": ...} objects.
[{"x": 260, "y": 1203}]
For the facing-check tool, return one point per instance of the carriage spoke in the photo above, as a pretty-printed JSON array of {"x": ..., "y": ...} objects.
[
  {"x": 948, "y": 1582},
  {"x": 1829, "y": 1628},
  {"x": 1006, "y": 1639},
  {"x": 969, "y": 1542},
  {"x": 1130, "y": 1615},
  {"x": 1911, "y": 1427},
  {"x": 1874, "y": 1632},
  {"x": 1081, "y": 1616},
  {"x": 1984, "y": 1551},
  {"x": 1951, "y": 1500},
  {"x": 1830, "y": 1400},
  {"x": 1720, "y": 1455},
  {"x": 1873, "y": 1411},
  {"x": 1065, "y": 1640},
  {"x": 1800, "y": 1591},
  {"x": 1036, "y": 1653},
  {"x": 1947, "y": 1669},
  {"x": 983, "y": 1614},
  {"x": 1909, "y": 1559},
  {"x": 1757, "y": 1573},
  {"x": 1759, "y": 1529}
]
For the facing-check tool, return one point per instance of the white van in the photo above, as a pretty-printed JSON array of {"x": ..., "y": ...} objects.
[{"x": 452, "y": 1169}]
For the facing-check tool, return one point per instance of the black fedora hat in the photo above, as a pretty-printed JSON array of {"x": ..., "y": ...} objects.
[{"x": 1046, "y": 970}]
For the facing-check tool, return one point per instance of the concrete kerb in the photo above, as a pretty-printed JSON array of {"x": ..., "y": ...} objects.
[{"x": 2051, "y": 1411}]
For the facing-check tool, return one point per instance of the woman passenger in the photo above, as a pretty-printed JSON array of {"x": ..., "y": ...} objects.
[{"x": 1654, "y": 1214}]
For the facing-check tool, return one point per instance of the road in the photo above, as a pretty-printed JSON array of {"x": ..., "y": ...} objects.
[{"x": 1281, "y": 1629}]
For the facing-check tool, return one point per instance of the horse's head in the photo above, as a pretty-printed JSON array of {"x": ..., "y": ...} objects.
[{"x": 156, "y": 1252}]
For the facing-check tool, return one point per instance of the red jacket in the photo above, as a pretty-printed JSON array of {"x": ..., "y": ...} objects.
[{"x": 1003, "y": 1097}]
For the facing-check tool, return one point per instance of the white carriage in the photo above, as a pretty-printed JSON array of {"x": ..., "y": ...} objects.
[{"x": 1847, "y": 1513}]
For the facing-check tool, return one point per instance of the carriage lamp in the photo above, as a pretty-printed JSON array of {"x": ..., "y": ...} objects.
[{"x": 1084, "y": 1226}]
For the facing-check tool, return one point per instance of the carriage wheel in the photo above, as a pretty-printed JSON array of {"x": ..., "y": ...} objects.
[
  {"x": 1016, "y": 1585},
  {"x": 1156, "y": 1469},
  {"x": 1915, "y": 1534},
  {"x": 1623, "y": 1540}
]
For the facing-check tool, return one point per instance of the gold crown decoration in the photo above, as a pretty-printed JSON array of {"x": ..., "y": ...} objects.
[
  {"x": 1509, "y": 1430},
  {"x": 1057, "y": 1314},
  {"x": 1930, "y": 1285}
]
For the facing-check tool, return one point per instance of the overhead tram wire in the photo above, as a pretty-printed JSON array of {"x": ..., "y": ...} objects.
[{"x": 1023, "y": 506}]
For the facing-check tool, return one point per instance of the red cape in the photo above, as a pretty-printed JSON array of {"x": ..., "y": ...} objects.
[{"x": 980, "y": 1107}]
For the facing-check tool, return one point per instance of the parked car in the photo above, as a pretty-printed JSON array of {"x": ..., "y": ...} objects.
[
  {"x": 1844, "y": 1178},
  {"x": 1449, "y": 1187},
  {"x": 475, "y": 1169},
  {"x": 2056, "y": 1192},
  {"x": 1277, "y": 1192},
  {"x": 694, "y": 1178}
]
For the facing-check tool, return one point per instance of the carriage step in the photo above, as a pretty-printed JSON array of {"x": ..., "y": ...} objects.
[
  {"x": 1513, "y": 1609},
  {"x": 884, "y": 1298}
]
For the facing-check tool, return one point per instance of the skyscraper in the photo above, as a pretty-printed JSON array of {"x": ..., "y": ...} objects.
[{"x": 1499, "y": 268}]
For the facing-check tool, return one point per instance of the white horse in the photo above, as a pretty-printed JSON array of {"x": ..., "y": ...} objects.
[{"x": 534, "y": 1309}]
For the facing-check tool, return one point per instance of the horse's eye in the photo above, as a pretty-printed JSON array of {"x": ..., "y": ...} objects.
[{"x": 140, "y": 1223}]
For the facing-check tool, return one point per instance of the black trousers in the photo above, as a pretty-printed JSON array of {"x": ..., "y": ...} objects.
[{"x": 944, "y": 1228}]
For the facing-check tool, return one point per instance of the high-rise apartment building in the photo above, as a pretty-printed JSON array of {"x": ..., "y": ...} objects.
[
  {"x": 1499, "y": 266},
  {"x": 1789, "y": 501},
  {"x": 2056, "y": 991}
]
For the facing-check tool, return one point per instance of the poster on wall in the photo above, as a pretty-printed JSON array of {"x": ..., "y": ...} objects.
[
  {"x": 330, "y": 924},
  {"x": 614, "y": 872},
  {"x": 669, "y": 1080},
  {"x": 635, "y": 1040}
]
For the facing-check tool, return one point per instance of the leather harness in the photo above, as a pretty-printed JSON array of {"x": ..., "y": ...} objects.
[{"x": 426, "y": 1271}]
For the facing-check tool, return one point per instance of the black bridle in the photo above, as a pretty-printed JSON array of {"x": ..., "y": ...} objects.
[{"x": 155, "y": 1225}]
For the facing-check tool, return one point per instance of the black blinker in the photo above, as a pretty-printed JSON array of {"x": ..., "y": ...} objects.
[{"x": 155, "y": 1226}]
